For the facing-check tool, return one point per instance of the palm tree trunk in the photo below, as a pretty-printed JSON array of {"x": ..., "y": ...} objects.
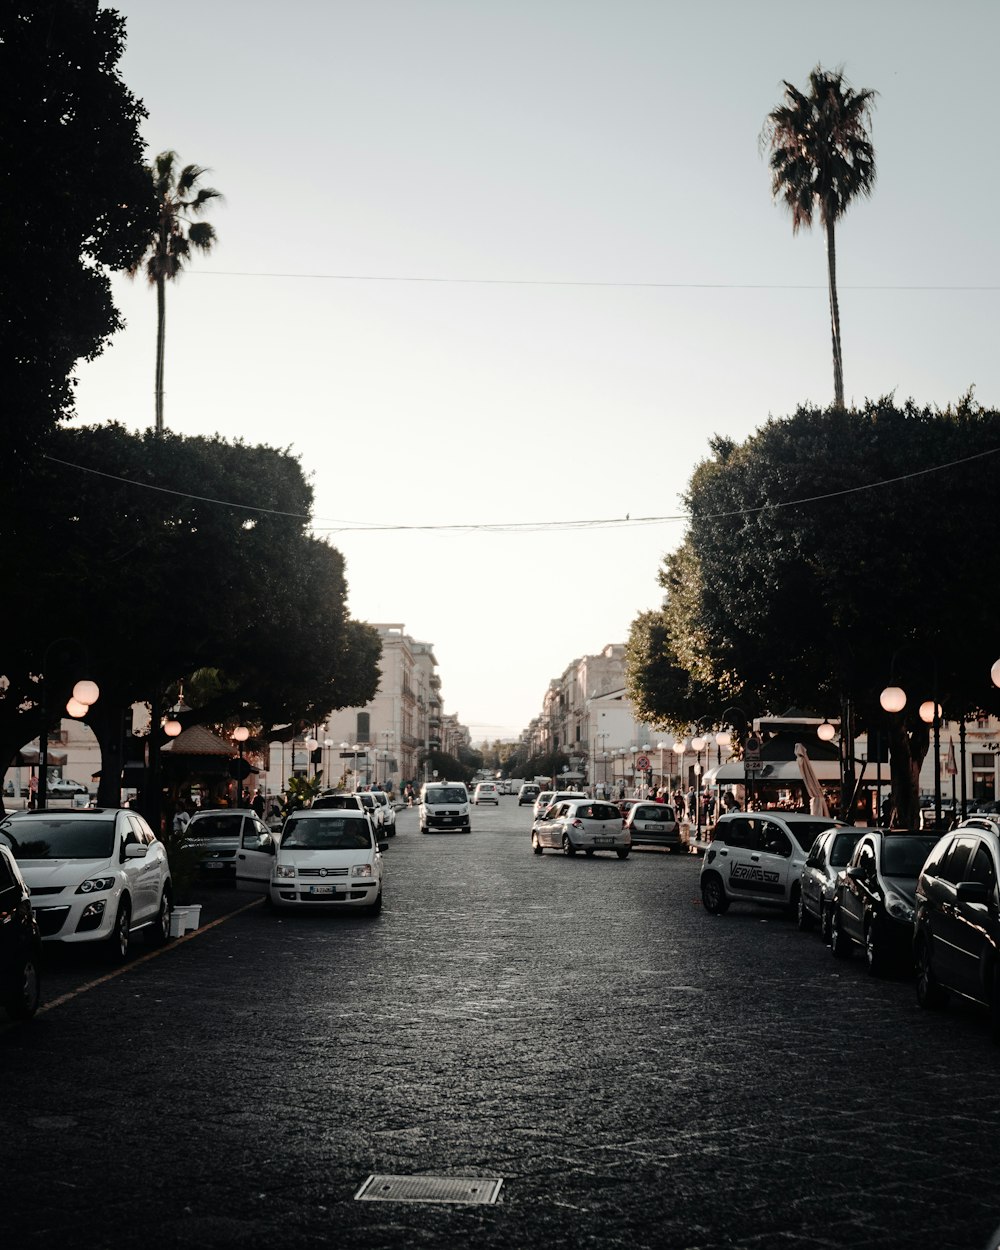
[
  {"x": 838, "y": 360},
  {"x": 161, "y": 325}
]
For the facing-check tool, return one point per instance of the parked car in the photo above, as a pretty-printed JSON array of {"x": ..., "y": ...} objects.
[
  {"x": 374, "y": 810},
  {"x": 486, "y": 792},
  {"x": 96, "y": 875},
  {"x": 828, "y": 856},
  {"x": 65, "y": 788},
  {"x": 388, "y": 812},
  {"x": 581, "y": 824},
  {"x": 956, "y": 927},
  {"x": 542, "y": 800},
  {"x": 444, "y": 805},
  {"x": 758, "y": 857},
  {"x": 655, "y": 824},
  {"x": 214, "y": 834},
  {"x": 527, "y": 793},
  {"x": 320, "y": 859},
  {"x": 20, "y": 943},
  {"x": 875, "y": 898},
  {"x": 337, "y": 801}
]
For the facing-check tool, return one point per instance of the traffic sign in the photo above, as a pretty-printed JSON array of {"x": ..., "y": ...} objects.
[
  {"x": 753, "y": 766},
  {"x": 642, "y": 763}
]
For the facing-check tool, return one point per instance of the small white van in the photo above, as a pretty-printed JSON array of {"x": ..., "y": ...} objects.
[{"x": 444, "y": 805}]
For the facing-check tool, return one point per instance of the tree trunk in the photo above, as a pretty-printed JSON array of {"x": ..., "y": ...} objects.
[
  {"x": 161, "y": 325},
  {"x": 105, "y": 719},
  {"x": 838, "y": 360},
  {"x": 907, "y": 751}
]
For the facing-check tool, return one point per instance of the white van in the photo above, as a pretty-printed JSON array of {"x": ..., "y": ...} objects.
[{"x": 444, "y": 805}]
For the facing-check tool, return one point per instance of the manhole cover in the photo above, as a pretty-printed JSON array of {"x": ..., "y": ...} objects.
[{"x": 467, "y": 1189}]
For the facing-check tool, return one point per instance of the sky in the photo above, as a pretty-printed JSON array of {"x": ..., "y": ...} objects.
[{"x": 512, "y": 264}]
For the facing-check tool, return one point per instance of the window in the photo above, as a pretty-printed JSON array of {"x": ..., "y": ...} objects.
[
  {"x": 981, "y": 867},
  {"x": 364, "y": 727},
  {"x": 773, "y": 839},
  {"x": 740, "y": 832},
  {"x": 955, "y": 862}
]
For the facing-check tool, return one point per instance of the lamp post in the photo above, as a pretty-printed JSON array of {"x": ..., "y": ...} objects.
[
  {"x": 85, "y": 693},
  {"x": 240, "y": 735},
  {"x": 311, "y": 744},
  {"x": 278, "y": 745},
  {"x": 680, "y": 750},
  {"x": 698, "y": 745}
]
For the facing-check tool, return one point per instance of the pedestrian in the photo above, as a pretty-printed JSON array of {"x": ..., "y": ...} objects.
[
  {"x": 257, "y": 803},
  {"x": 182, "y": 819}
]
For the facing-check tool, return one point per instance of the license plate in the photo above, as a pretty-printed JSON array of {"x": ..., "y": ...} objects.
[
  {"x": 214, "y": 863},
  {"x": 656, "y": 828},
  {"x": 604, "y": 841},
  {"x": 322, "y": 889}
]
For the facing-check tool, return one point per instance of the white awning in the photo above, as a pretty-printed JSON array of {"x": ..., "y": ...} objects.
[{"x": 780, "y": 772}]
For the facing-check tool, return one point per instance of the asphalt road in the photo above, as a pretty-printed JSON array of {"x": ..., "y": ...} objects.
[{"x": 640, "y": 1074}]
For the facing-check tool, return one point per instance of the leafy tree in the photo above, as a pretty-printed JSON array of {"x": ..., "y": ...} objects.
[
  {"x": 813, "y": 597},
  {"x": 448, "y": 768},
  {"x": 154, "y": 584},
  {"x": 170, "y": 240},
  {"x": 75, "y": 201},
  {"x": 821, "y": 159}
]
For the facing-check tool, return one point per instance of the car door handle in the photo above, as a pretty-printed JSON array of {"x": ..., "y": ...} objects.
[
  {"x": 755, "y": 858},
  {"x": 240, "y": 855}
]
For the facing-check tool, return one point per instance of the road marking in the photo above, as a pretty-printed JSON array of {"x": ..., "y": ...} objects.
[{"x": 171, "y": 946}]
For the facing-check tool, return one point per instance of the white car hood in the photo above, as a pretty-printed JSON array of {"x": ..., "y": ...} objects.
[
  {"x": 330, "y": 860},
  {"x": 63, "y": 872}
]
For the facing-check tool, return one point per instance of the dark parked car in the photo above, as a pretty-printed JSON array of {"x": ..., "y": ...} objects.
[
  {"x": 956, "y": 933},
  {"x": 20, "y": 943},
  {"x": 829, "y": 854},
  {"x": 875, "y": 898},
  {"x": 214, "y": 836}
]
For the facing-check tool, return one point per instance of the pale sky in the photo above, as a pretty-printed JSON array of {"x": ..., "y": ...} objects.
[{"x": 604, "y": 281}]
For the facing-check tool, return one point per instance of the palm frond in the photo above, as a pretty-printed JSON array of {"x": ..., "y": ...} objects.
[{"x": 202, "y": 235}]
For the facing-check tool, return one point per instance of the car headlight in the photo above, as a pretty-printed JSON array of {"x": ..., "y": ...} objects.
[
  {"x": 284, "y": 870},
  {"x": 898, "y": 908},
  {"x": 93, "y": 884},
  {"x": 362, "y": 870}
]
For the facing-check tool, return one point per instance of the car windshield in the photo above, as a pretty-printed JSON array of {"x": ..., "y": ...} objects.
[
  {"x": 52, "y": 838},
  {"x": 904, "y": 856},
  {"x": 445, "y": 794},
  {"x": 843, "y": 848},
  {"x": 330, "y": 833},
  {"x": 224, "y": 825}
]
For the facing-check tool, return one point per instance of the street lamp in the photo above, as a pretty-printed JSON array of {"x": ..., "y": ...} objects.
[
  {"x": 85, "y": 693},
  {"x": 661, "y": 747},
  {"x": 327, "y": 747},
  {"x": 312, "y": 745},
  {"x": 240, "y": 735},
  {"x": 680, "y": 750}
]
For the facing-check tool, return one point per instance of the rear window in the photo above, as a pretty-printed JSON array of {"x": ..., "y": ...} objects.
[
  {"x": 337, "y": 801},
  {"x": 55, "y": 838},
  {"x": 657, "y": 812},
  {"x": 222, "y": 825},
  {"x": 905, "y": 856},
  {"x": 598, "y": 811},
  {"x": 330, "y": 833}
]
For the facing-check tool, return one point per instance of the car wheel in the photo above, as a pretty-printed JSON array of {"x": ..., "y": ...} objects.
[
  {"x": 373, "y": 909},
  {"x": 803, "y": 917},
  {"x": 118, "y": 939},
  {"x": 713, "y": 894},
  {"x": 536, "y": 846},
  {"x": 876, "y": 960},
  {"x": 623, "y": 853},
  {"x": 159, "y": 930},
  {"x": 840, "y": 944},
  {"x": 931, "y": 994},
  {"x": 567, "y": 845},
  {"x": 23, "y": 1002}
]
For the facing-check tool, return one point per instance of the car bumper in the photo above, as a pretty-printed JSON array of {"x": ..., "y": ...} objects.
[
  {"x": 358, "y": 893},
  {"x": 84, "y": 918},
  {"x": 600, "y": 842},
  {"x": 643, "y": 838}
]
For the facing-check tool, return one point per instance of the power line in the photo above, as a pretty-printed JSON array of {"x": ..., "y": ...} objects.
[{"x": 511, "y": 527}]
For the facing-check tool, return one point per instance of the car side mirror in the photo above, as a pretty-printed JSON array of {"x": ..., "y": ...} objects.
[
  {"x": 812, "y": 862},
  {"x": 136, "y": 850},
  {"x": 972, "y": 892},
  {"x": 855, "y": 872}
]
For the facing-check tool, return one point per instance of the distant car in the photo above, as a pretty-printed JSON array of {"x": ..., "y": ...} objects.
[
  {"x": 486, "y": 792},
  {"x": 542, "y": 799},
  {"x": 65, "y": 788},
  {"x": 338, "y": 801},
  {"x": 374, "y": 810},
  {"x": 96, "y": 875},
  {"x": 527, "y": 793},
  {"x": 388, "y": 812},
  {"x": 20, "y": 943},
  {"x": 956, "y": 927},
  {"x": 828, "y": 855},
  {"x": 444, "y": 805},
  {"x": 758, "y": 857},
  {"x": 214, "y": 834},
  {"x": 581, "y": 824},
  {"x": 320, "y": 859},
  {"x": 654, "y": 824},
  {"x": 876, "y": 897}
]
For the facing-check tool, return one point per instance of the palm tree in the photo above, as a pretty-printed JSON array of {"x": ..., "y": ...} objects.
[
  {"x": 821, "y": 159},
  {"x": 169, "y": 246}
]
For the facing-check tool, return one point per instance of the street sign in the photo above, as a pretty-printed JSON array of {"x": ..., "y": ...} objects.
[
  {"x": 753, "y": 766},
  {"x": 642, "y": 763}
]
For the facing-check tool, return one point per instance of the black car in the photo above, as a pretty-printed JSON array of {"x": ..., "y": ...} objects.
[
  {"x": 20, "y": 943},
  {"x": 830, "y": 853},
  {"x": 874, "y": 902},
  {"x": 956, "y": 931}
]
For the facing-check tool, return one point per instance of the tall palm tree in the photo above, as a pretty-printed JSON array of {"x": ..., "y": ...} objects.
[
  {"x": 170, "y": 242},
  {"x": 821, "y": 159}
]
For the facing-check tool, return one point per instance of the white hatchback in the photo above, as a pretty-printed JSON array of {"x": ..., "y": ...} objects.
[
  {"x": 486, "y": 792},
  {"x": 96, "y": 875},
  {"x": 321, "y": 858},
  {"x": 581, "y": 824}
]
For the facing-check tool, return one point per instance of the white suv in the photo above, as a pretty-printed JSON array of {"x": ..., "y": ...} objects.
[
  {"x": 95, "y": 875},
  {"x": 759, "y": 857}
]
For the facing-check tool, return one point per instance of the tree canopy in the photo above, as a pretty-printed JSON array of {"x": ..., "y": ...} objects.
[{"x": 831, "y": 554}]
